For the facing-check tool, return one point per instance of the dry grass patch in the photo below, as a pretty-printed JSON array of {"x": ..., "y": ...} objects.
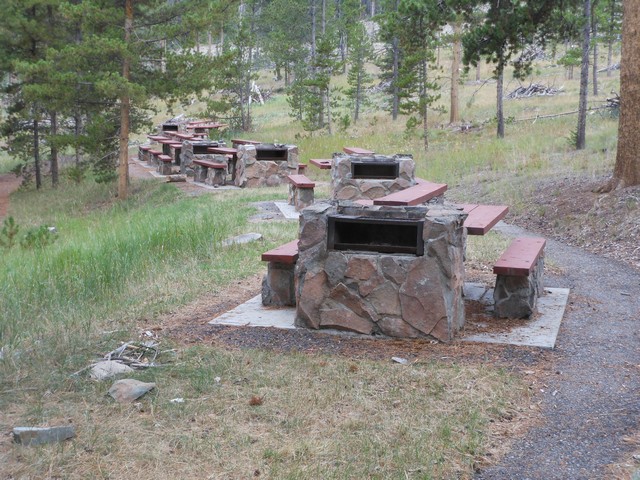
[{"x": 255, "y": 413}]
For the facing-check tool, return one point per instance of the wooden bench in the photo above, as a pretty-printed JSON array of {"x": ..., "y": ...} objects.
[
  {"x": 321, "y": 163},
  {"x": 357, "y": 151},
  {"x": 300, "y": 191},
  {"x": 177, "y": 149},
  {"x": 278, "y": 285},
  {"x": 153, "y": 156},
  {"x": 418, "y": 194},
  {"x": 302, "y": 168},
  {"x": 482, "y": 218},
  {"x": 164, "y": 164},
  {"x": 211, "y": 173},
  {"x": 143, "y": 153},
  {"x": 519, "y": 278}
]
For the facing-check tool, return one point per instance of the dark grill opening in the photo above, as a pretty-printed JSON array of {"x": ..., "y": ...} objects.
[
  {"x": 169, "y": 127},
  {"x": 375, "y": 170},
  {"x": 166, "y": 149},
  {"x": 375, "y": 235},
  {"x": 201, "y": 148},
  {"x": 271, "y": 154}
]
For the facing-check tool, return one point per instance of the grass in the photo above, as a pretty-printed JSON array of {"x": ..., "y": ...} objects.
[{"x": 116, "y": 266}]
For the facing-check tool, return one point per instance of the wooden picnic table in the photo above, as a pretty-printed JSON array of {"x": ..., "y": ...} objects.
[
  {"x": 420, "y": 193},
  {"x": 321, "y": 163},
  {"x": 357, "y": 151},
  {"x": 482, "y": 218}
]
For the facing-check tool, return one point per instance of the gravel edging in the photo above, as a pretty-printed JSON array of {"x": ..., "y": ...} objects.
[{"x": 592, "y": 404}]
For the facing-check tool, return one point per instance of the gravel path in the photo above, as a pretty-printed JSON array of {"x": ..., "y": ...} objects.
[{"x": 592, "y": 403}]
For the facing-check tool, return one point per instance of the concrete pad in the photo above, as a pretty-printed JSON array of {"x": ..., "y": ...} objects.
[
  {"x": 288, "y": 211},
  {"x": 539, "y": 331},
  {"x": 253, "y": 314}
]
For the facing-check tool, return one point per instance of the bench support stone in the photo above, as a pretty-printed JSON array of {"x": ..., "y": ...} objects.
[
  {"x": 216, "y": 176},
  {"x": 300, "y": 197},
  {"x": 278, "y": 285},
  {"x": 516, "y": 296},
  {"x": 164, "y": 168}
]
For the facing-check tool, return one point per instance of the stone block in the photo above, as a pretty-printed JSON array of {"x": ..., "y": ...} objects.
[
  {"x": 278, "y": 285},
  {"x": 39, "y": 436},
  {"x": 517, "y": 296}
]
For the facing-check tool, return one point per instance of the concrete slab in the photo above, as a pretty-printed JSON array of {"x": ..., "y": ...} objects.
[
  {"x": 288, "y": 211},
  {"x": 540, "y": 331},
  {"x": 253, "y": 314}
]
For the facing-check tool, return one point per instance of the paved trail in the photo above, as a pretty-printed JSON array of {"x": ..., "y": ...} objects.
[{"x": 593, "y": 402}]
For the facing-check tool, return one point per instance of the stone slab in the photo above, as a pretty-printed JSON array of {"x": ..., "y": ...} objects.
[
  {"x": 39, "y": 435},
  {"x": 539, "y": 331}
]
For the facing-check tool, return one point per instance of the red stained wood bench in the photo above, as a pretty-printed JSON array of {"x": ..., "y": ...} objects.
[
  {"x": 223, "y": 150},
  {"x": 301, "y": 193},
  {"x": 183, "y": 136},
  {"x": 157, "y": 138},
  {"x": 302, "y": 168},
  {"x": 165, "y": 158},
  {"x": 482, "y": 218},
  {"x": 287, "y": 253},
  {"x": 520, "y": 257},
  {"x": 415, "y": 195},
  {"x": 202, "y": 172},
  {"x": 278, "y": 287},
  {"x": 519, "y": 278},
  {"x": 357, "y": 151},
  {"x": 164, "y": 164},
  {"x": 239, "y": 141},
  {"x": 321, "y": 163}
]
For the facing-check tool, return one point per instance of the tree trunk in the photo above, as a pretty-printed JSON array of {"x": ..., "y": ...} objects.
[
  {"x": 594, "y": 35},
  {"x": 609, "y": 57},
  {"x": 324, "y": 17},
  {"x": 356, "y": 112},
  {"x": 313, "y": 30},
  {"x": 54, "y": 150},
  {"x": 395, "y": 46},
  {"x": 36, "y": 153},
  {"x": 500, "y": 103},
  {"x": 424, "y": 104},
  {"x": 584, "y": 78},
  {"x": 454, "y": 116},
  {"x": 77, "y": 128},
  {"x": 627, "y": 169},
  {"x": 612, "y": 18},
  {"x": 125, "y": 109}
]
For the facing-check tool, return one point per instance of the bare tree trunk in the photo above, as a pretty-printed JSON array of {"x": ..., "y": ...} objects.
[
  {"x": 36, "y": 153},
  {"x": 478, "y": 76},
  {"x": 594, "y": 36},
  {"x": 454, "y": 116},
  {"x": 125, "y": 109},
  {"x": 584, "y": 79},
  {"x": 395, "y": 106},
  {"x": 609, "y": 57},
  {"x": 54, "y": 150},
  {"x": 356, "y": 111},
  {"x": 313, "y": 30},
  {"x": 77, "y": 128},
  {"x": 210, "y": 43},
  {"x": 627, "y": 169},
  {"x": 425, "y": 110},
  {"x": 324, "y": 16},
  {"x": 500, "y": 103}
]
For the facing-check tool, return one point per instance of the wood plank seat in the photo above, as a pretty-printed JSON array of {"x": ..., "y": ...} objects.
[
  {"x": 211, "y": 173},
  {"x": 302, "y": 168},
  {"x": 278, "y": 286},
  {"x": 520, "y": 257},
  {"x": 183, "y": 136},
  {"x": 164, "y": 164},
  {"x": 519, "y": 278},
  {"x": 321, "y": 163},
  {"x": 143, "y": 153},
  {"x": 415, "y": 195},
  {"x": 165, "y": 158},
  {"x": 301, "y": 193},
  {"x": 157, "y": 138},
  {"x": 239, "y": 141},
  {"x": 223, "y": 150},
  {"x": 287, "y": 253},
  {"x": 357, "y": 151},
  {"x": 482, "y": 218}
]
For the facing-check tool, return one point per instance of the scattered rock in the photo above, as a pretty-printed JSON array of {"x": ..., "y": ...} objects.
[
  {"x": 41, "y": 435},
  {"x": 241, "y": 239},
  {"x": 108, "y": 369},
  {"x": 400, "y": 360},
  {"x": 177, "y": 400},
  {"x": 128, "y": 390}
]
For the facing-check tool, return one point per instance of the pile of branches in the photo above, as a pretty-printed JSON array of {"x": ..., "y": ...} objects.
[
  {"x": 135, "y": 354},
  {"x": 533, "y": 90},
  {"x": 610, "y": 68}
]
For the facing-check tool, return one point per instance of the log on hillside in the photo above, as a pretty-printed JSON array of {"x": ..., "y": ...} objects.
[{"x": 533, "y": 90}]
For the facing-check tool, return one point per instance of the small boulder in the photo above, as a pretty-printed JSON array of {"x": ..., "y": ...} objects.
[
  {"x": 108, "y": 369},
  {"x": 127, "y": 390}
]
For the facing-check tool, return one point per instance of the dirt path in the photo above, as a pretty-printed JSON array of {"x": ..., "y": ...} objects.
[
  {"x": 8, "y": 184},
  {"x": 590, "y": 407}
]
